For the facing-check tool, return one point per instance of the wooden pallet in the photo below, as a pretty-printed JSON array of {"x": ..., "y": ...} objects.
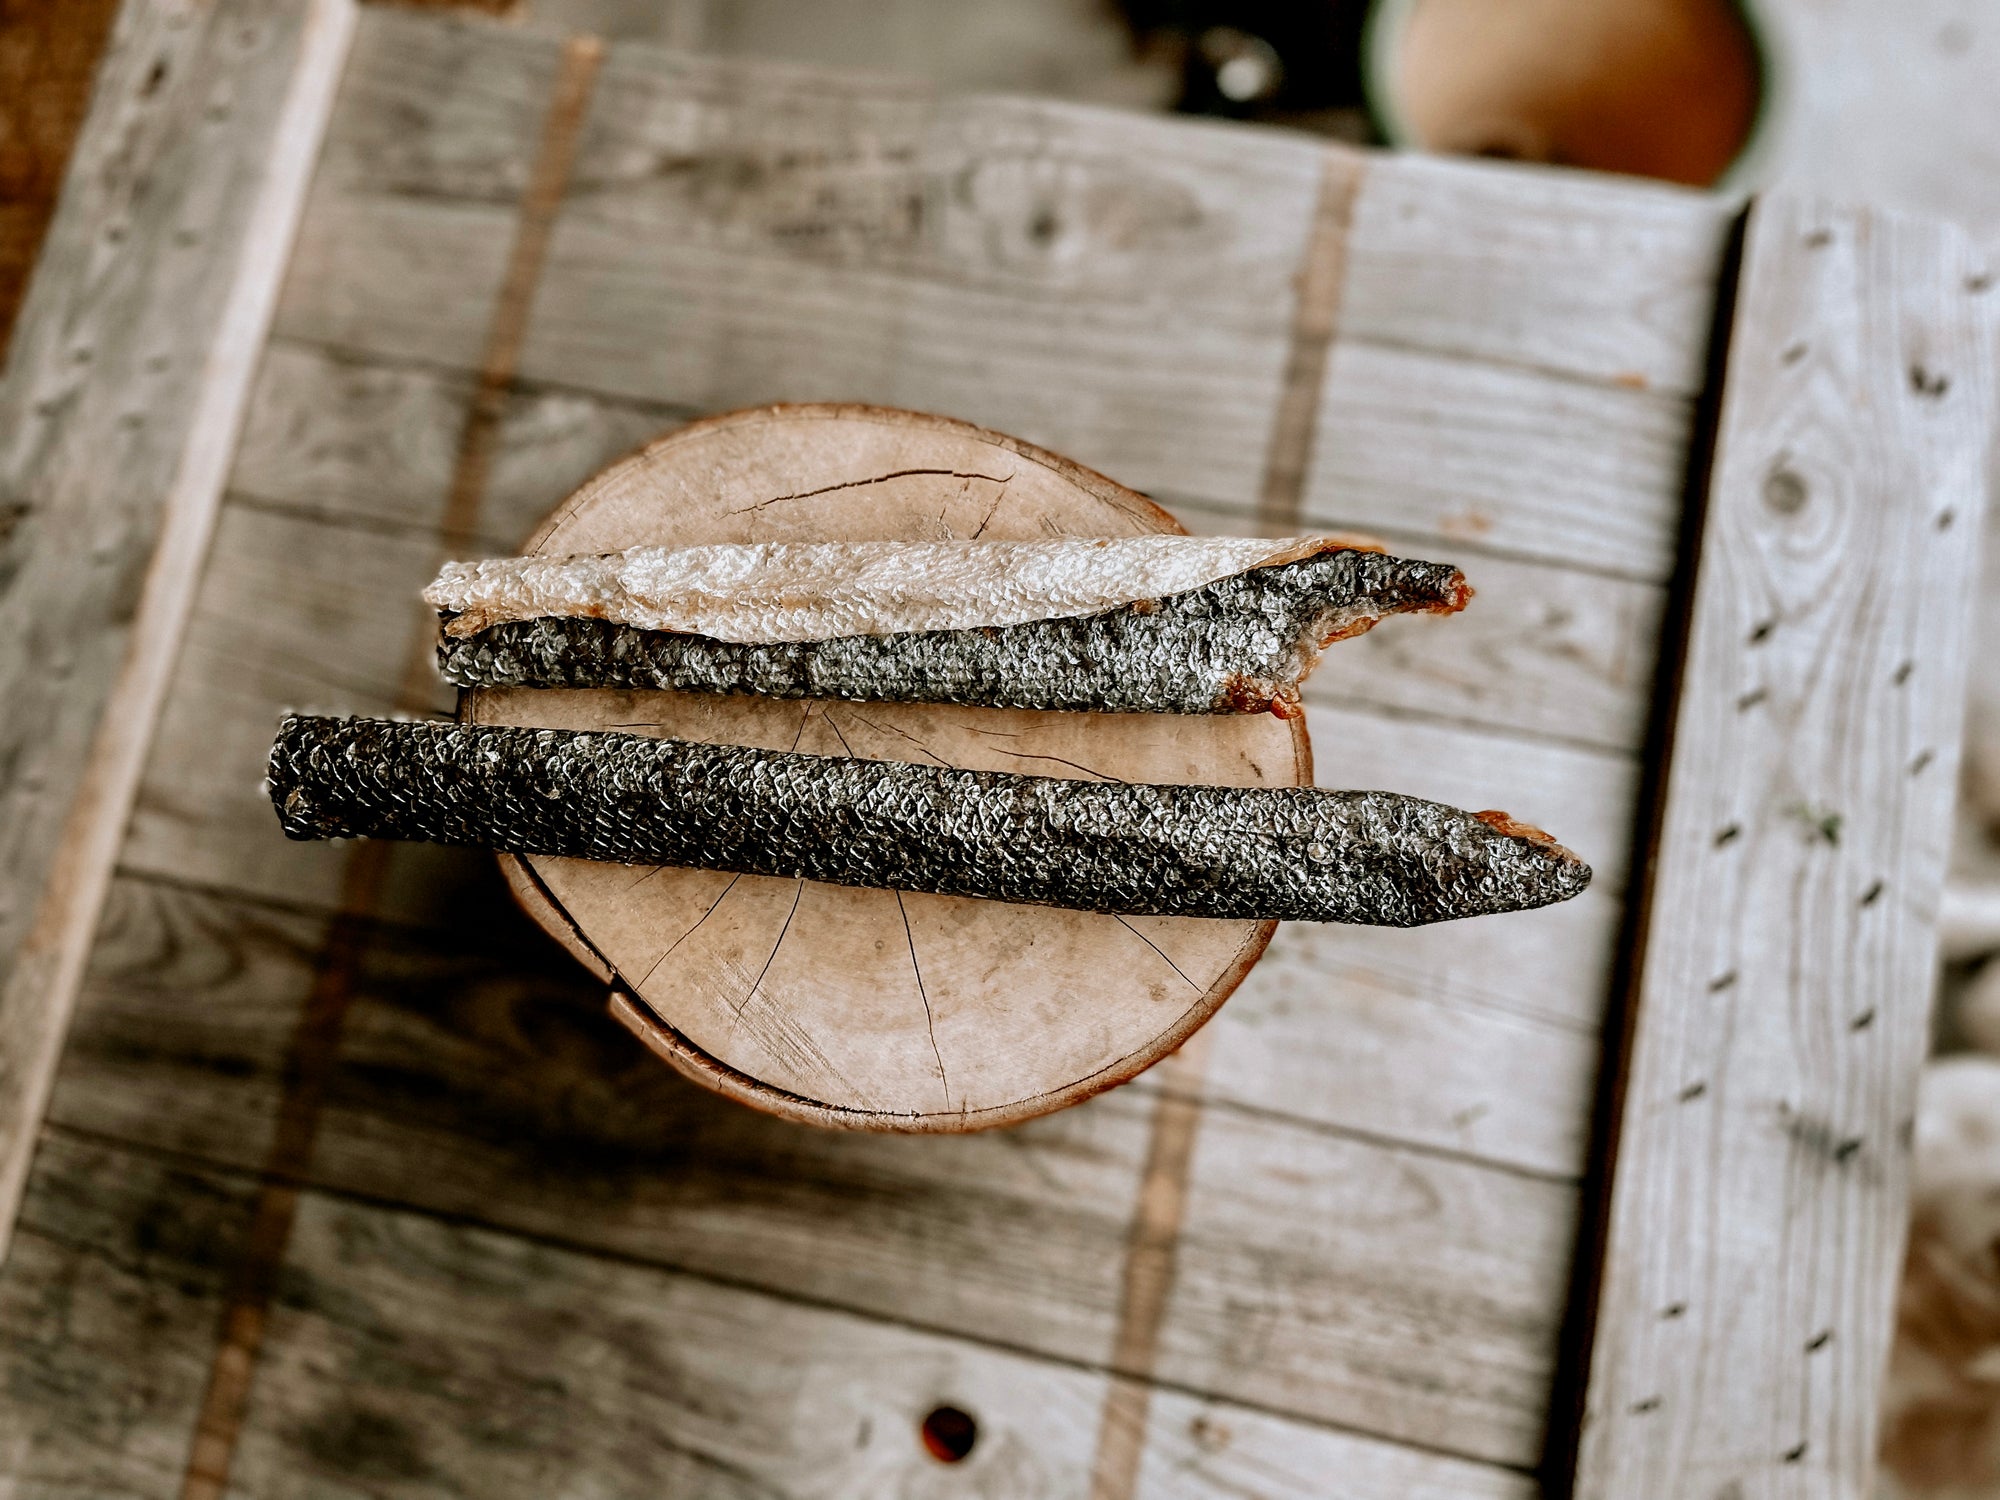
[{"x": 345, "y": 1177}]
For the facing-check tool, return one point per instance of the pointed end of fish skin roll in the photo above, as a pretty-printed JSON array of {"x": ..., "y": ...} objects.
[
  {"x": 1412, "y": 862},
  {"x": 1531, "y": 868}
]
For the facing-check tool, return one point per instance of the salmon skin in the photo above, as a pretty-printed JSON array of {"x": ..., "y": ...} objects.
[
  {"x": 1241, "y": 644},
  {"x": 1291, "y": 853}
]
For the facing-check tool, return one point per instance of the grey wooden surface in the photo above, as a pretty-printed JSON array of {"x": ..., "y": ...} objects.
[
  {"x": 1373, "y": 1171},
  {"x": 120, "y": 405},
  {"x": 1759, "y": 1200}
]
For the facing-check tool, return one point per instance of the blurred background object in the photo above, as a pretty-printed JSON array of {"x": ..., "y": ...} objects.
[{"x": 1660, "y": 88}]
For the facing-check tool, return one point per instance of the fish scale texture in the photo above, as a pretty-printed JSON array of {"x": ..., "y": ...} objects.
[
  {"x": 1238, "y": 645},
  {"x": 1298, "y": 853}
]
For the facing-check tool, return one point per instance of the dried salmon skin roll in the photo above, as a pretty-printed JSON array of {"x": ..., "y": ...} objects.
[
  {"x": 1292, "y": 853},
  {"x": 1165, "y": 624}
]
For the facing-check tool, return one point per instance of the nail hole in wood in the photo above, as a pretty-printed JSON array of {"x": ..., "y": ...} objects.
[
  {"x": 1929, "y": 383},
  {"x": 1785, "y": 492},
  {"x": 1945, "y": 518},
  {"x": 1762, "y": 631},
  {"x": 1721, "y": 982},
  {"x": 1751, "y": 699},
  {"x": 1873, "y": 894},
  {"x": 1693, "y": 1092},
  {"x": 1727, "y": 836},
  {"x": 1640, "y": 1408},
  {"x": 1794, "y": 354},
  {"x": 1793, "y": 1455},
  {"x": 1979, "y": 281},
  {"x": 1923, "y": 759},
  {"x": 1674, "y": 1310},
  {"x": 1819, "y": 1341},
  {"x": 949, "y": 1434},
  {"x": 1903, "y": 673},
  {"x": 1863, "y": 1021},
  {"x": 1819, "y": 239},
  {"x": 1846, "y": 1150}
]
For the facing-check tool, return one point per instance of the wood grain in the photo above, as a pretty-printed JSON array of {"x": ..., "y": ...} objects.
[
  {"x": 777, "y": 233},
  {"x": 438, "y": 1359},
  {"x": 1757, "y": 1209},
  {"x": 120, "y": 408},
  {"x": 480, "y": 1079},
  {"x": 118, "y": 1264},
  {"x": 313, "y": 1046},
  {"x": 1391, "y": 1291},
  {"x": 1610, "y": 280}
]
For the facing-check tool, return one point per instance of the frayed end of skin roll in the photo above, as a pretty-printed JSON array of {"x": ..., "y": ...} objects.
[{"x": 1514, "y": 828}]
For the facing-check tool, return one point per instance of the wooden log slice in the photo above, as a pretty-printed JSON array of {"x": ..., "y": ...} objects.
[{"x": 872, "y": 1009}]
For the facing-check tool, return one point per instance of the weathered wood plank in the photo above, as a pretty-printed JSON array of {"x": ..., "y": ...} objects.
[
  {"x": 1609, "y": 279},
  {"x": 406, "y": 233},
  {"x": 779, "y": 234},
  {"x": 1512, "y": 458},
  {"x": 479, "y": 1077},
  {"x": 614, "y": 1370},
  {"x": 123, "y": 395},
  {"x": 459, "y": 1361},
  {"x": 743, "y": 234},
  {"x": 48, "y": 63},
  {"x": 1541, "y": 650},
  {"x": 1478, "y": 1037},
  {"x": 1204, "y": 1450},
  {"x": 481, "y": 1062},
  {"x": 373, "y": 443},
  {"x": 1758, "y": 1199},
  {"x": 108, "y": 1308},
  {"x": 443, "y": 1360},
  {"x": 1389, "y": 1291}
]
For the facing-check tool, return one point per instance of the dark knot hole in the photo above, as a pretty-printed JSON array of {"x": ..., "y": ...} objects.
[{"x": 949, "y": 1434}]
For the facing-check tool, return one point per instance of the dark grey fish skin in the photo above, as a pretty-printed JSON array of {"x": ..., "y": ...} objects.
[
  {"x": 1294, "y": 853},
  {"x": 1239, "y": 645}
]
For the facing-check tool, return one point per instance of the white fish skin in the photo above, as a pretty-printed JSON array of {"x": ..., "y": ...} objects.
[{"x": 766, "y": 592}]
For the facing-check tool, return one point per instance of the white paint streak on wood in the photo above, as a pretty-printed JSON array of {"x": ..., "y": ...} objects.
[{"x": 1757, "y": 1210}]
